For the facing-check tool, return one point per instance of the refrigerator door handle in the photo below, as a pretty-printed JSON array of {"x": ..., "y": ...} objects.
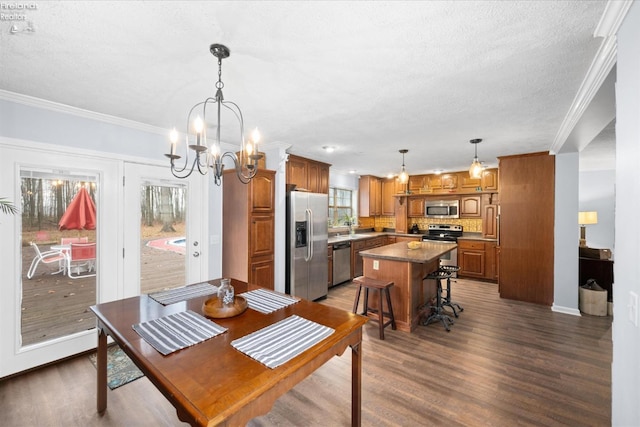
[{"x": 309, "y": 254}]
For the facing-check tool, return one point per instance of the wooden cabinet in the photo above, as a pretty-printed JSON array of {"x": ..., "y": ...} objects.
[
  {"x": 471, "y": 258},
  {"x": 361, "y": 245},
  {"x": 415, "y": 206},
  {"x": 390, "y": 187},
  {"x": 417, "y": 182},
  {"x": 450, "y": 182},
  {"x": 490, "y": 180},
  {"x": 467, "y": 183},
  {"x": 370, "y": 194},
  {"x": 470, "y": 207},
  {"x": 490, "y": 221},
  {"x": 527, "y": 188},
  {"x": 308, "y": 174},
  {"x": 401, "y": 214},
  {"x": 477, "y": 259},
  {"x": 408, "y": 239},
  {"x": 356, "y": 258},
  {"x": 248, "y": 212}
]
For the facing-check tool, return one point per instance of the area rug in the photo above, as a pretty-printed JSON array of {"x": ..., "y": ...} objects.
[{"x": 120, "y": 369}]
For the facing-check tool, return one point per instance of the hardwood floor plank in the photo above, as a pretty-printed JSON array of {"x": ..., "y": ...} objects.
[{"x": 503, "y": 363}]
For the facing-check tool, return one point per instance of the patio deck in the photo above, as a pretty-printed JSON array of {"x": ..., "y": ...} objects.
[{"x": 53, "y": 305}]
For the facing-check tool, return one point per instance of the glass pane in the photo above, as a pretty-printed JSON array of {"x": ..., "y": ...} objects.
[
  {"x": 58, "y": 278},
  {"x": 162, "y": 232},
  {"x": 344, "y": 198}
]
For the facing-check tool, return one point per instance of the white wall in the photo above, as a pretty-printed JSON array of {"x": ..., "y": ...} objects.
[
  {"x": 565, "y": 290},
  {"x": 625, "y": 373},
  {"x": 597, "y": 193}
]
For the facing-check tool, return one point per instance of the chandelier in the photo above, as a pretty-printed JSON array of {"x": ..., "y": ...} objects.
[
  {"x": 475, "y": 170},
  {"x": 210, "y": 156}
]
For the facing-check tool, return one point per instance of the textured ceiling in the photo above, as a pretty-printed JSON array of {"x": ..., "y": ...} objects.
[{"x": 366, "y": 77}]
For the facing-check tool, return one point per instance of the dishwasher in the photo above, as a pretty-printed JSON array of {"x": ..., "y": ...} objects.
[{"x": 341, "y": 262}]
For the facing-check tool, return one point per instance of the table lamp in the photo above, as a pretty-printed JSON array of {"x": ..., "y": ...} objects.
[{"x": 586, "y": 218}]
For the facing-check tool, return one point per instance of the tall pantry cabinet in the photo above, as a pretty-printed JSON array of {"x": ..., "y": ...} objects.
[
  {"x": 526, "y": 221},
  {"x": 248, "y": 226}
]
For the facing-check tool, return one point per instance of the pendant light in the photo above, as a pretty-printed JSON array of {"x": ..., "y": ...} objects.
[
  {"x": 475, "y": 171},
  {"x": 404, "y": 176}
]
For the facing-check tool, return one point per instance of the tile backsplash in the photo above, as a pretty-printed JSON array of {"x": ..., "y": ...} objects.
[{"x": 468, "y": 225}]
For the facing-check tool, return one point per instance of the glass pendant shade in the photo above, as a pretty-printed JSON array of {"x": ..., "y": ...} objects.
[
  {"x": 403, "y": 178},
  {"x": 475, "y": 170}
]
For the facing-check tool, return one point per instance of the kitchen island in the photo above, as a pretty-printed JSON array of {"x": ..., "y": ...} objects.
[{"x": 407, "y": 269}]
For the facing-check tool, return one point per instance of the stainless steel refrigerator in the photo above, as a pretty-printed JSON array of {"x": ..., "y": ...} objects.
[{"x": 307, "y": 263}]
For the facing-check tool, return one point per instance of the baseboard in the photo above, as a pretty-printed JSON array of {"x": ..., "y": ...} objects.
[{"x": 565, "y": 310}]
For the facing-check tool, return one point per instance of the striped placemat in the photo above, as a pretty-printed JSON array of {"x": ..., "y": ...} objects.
[
  {"x": 184, "y": 293},
  {"x": 177, "y": 331},
  {"x": 266, "y": 301},
  {"x": 278, "y": 343}
]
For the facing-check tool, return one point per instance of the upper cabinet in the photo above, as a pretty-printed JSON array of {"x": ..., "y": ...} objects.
[
  {"x": 370, "y": 192},
  {"x": 470, "y": 207},
  {"x": 307, "y": 174},
  {"x": 490, "y": 180},
  {"x": 390, "y": 187},
  {"x": 454, "y": 183}
]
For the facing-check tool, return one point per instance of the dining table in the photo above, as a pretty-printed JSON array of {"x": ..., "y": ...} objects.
[{"x": 213, "y": 383}]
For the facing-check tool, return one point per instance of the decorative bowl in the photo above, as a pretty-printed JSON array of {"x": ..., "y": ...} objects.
[
  {"x": 414, "y": 245},
  {"x": 213, "y": 309}
]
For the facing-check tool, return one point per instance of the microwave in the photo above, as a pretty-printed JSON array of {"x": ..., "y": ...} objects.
[{"x": 442, "y": 209}]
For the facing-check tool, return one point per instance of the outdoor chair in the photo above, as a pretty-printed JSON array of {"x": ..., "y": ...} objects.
[
  {"x": 46, "y": 257},
  {"x": 81, "y": 259}
]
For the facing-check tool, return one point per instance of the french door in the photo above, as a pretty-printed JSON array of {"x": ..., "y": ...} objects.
[
  {"x": 164, "y": 230},
  {"x": 44, "y": 310},
  {"x": 33, "y": 298}
]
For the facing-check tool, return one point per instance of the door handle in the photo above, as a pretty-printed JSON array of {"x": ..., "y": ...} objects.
[{"x": 196, "y": 254}]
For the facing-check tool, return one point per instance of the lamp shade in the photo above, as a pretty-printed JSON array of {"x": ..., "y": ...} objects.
[{"x": 589, "y": 217}]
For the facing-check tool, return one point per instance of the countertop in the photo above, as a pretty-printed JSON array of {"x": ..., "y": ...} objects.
[
  {"x": 369, "y": 235},
  {"x": 427, "y": 252}
]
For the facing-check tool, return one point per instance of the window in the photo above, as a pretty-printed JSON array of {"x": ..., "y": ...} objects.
[{"x": 340, "y": 207}]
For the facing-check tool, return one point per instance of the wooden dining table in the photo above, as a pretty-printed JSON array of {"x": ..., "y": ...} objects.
[{"x": 211, "y": 383}]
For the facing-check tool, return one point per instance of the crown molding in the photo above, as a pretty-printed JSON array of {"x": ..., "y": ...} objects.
[
  {"x": 78, "y": 112},
  {"x": 600, "y": 67},
  {"x": 612, "y": 17}
]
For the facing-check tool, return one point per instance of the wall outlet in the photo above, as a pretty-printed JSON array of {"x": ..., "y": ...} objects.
[
  {"x": 633, "y": 308},
  {"x": 376, "y": 265}
]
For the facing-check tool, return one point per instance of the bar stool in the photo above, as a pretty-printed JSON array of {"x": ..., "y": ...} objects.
[
  {"x": 383, "y": 288},
  {"x": 451, "y": 269},
  {"x": 437, "y": 311}
]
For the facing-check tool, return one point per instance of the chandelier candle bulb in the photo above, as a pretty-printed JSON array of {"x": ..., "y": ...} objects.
[{"x": 173, "y": 137}]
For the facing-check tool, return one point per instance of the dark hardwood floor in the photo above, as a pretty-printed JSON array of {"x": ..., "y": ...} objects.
[{"x": 504, "y": 363}]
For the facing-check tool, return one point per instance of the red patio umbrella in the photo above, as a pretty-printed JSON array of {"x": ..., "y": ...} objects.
[{"x": 80, "y": 214}]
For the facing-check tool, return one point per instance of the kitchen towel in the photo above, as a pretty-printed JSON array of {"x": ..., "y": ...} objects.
[
  {"x": 266, "y": 301},
  {"x": 184, "y": 293},
  {"x": 278, "y": 343},
  {"x": 177, "y": 331}
]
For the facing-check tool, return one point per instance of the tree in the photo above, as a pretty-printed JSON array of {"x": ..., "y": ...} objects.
[{"x": 166, "y": 209}]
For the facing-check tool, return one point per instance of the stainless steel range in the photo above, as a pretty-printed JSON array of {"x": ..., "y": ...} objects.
[{"x": 444, "y": 233}]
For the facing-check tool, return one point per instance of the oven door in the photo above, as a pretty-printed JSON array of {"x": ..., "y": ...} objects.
[{"x": 450, "y": 258}]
